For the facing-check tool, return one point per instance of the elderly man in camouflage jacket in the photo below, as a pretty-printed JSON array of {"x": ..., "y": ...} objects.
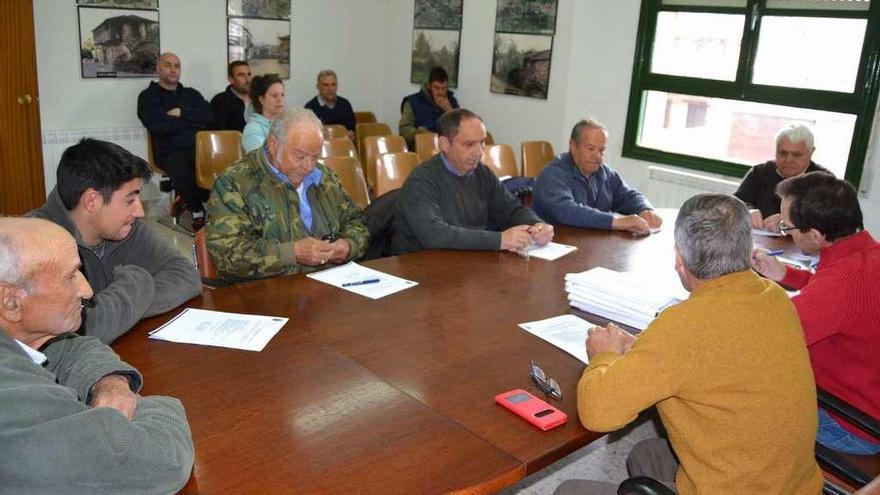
[{"x": 278, "y": 211}]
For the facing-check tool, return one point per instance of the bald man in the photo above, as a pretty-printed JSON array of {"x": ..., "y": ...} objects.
[
  {"x": 173, "y": 114},
  {"x": 70, "y": 417}
]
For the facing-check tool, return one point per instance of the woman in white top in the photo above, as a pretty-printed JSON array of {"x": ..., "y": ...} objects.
[{"x": 267, "y": 96}]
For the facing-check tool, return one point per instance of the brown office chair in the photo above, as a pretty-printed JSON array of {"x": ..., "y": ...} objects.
[
  {"x": 335, "y": 131},
  {"x": 427, "y": 145},
  {"x": 338, "y": 147},
  {"x": 500, "y": 158},
  {"x": 215, "y": 150},
  {"x": 376, "y": 146},
  {"x": 206, "y": 267},
  {"x": 369, "y": 129},
  {"x": 351, "y": 175},
  {"x": 364, "y": 117},
  {"x": 393, "y": 169},
  {"x": 489, "y": 139},
  {"x": 535, "y": 156}
]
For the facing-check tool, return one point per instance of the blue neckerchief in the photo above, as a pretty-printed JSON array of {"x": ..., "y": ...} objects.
[
  {"x": 314, "y": 178},
  {"x": 453, "y": 169}
]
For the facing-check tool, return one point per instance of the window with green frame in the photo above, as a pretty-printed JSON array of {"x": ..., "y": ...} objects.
[{"x": 714, "y": 80}]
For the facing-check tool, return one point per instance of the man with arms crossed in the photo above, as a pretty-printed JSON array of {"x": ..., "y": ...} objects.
[
  {"x": 720, "y": 367},
  {"x": 134, "y": 272},
  {"x": 579, "y": 189},
  {"x": 453, "y": 201},
  {"x": 838, "y": 304},
  {"x": 70, "y": 417}
]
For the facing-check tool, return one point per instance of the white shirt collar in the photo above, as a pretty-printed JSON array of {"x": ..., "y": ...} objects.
[{"x": 36, "y": 356}]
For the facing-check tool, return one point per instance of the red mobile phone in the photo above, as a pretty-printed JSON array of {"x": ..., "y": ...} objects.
[{"x": 532, "y": 409}]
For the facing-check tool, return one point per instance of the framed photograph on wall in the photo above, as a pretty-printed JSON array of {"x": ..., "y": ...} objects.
[
  {"x": 118, "y": 42},
  {"x": 432, "y": 48},
  {"x": 521, "y": 64},
  {"x": 263, "y": 43},
  {"x": 526, "y": 16},
  {"x": 437, "y": 14},
  {"x": 121, "y": 4},
  {"x": 264, "y": 9}
]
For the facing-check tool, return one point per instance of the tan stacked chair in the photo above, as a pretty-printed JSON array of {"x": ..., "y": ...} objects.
[
  {"x": 427, "y": 145},
  {"x": 215, "y": 150},
  {"x": 500, "y": 158},
  {"x": 489, "y": 139},
  {"x": 376, "y": 146},
  {"x": 335, "y": 131},
  {"x": 369, "y": 129},
  {"x": 338, "y": 147},
  {"x": 393, "y": 169},
  {"x": 364, "y": 117},
  {"x": 535, "y": 156},
  {"x": 351, "y": 175}
]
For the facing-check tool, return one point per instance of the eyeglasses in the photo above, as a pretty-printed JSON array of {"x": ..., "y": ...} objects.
[
  {"x": 784, "y": 227},
  {"x": 547, "y": 385}
]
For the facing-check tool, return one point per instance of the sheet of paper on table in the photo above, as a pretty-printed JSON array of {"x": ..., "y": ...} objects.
[
  {"x": 550, "y": 251},
  {"x": 567, "y": 332},
  {"x": 767, "y": 233},
  {"x": 362, "y": 280},
  {"x": 216, "y": 328}
]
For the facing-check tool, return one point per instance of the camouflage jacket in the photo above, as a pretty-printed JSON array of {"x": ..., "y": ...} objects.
[{"x": 253, "y": 220}]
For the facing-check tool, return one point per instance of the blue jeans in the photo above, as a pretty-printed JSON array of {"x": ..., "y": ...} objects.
[{"x": 836, "y": 437}]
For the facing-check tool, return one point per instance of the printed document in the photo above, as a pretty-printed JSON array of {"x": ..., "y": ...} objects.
[
  {"x": 567, "y": 332},
  {"x": 362, "y": 280},
  {"x": 550, "y": 251},
  {"x": 215, "y": 328}
]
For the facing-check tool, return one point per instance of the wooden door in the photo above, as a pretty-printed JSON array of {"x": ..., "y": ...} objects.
[{"x": 21, "y": 158}]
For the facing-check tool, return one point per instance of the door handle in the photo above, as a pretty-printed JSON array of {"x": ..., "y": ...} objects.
[{"x": 25, "y": 99}]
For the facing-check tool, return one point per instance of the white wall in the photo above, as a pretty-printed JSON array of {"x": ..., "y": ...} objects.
[{"x": 368, "y": 42}]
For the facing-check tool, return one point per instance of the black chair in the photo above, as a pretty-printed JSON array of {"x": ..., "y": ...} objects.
[{"x": 856, "y": 470}]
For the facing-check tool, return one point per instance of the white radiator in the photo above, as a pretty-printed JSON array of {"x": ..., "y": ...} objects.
[
  {"x": 669, "y": 188},
  {"x": 134, "y": 139}
]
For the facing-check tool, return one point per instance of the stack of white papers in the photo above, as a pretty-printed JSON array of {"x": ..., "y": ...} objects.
[
  {"x": 362, "y": 280},
  {"x": 233, "y": 330},
  {"x": 620, "y": 296},
  {"x": 567, "y": 332},
  {"x": 550, "y": 251}
]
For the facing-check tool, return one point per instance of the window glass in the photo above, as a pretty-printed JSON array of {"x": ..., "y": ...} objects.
[
  {"x": 738, "y": 131},
  {"x": 809, "y": 52},
  {"x": 697, "y": 45},
  {"x": 819, "y": 4}
]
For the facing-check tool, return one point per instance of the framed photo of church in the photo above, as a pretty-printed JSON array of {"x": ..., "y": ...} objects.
[
  {"x": 521, "y": 64},
  {"x": 117, "y": 43},
  {"x": 263, "y": 43}
]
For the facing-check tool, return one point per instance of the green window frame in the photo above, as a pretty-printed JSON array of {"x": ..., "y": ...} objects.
[{"x": 861, "y": 103}]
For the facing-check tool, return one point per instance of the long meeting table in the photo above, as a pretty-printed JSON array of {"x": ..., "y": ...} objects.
[{"x": 394, "y": 395}]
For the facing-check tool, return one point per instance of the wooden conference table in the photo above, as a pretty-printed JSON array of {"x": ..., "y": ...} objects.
[{"x": 393, "y": 395}]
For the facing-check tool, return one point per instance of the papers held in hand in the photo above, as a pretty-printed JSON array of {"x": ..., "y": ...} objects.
[{"x": 620, "y": 296}]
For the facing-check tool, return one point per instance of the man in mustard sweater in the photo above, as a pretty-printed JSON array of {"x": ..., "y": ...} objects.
[{"x": 727, "y": 368}]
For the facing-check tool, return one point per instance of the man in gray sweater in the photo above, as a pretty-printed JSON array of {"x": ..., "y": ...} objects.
[
  {"x": 453, "y": 201},
  {"x": 71, "y": 420},
  {"x": 133, "y": 271}
]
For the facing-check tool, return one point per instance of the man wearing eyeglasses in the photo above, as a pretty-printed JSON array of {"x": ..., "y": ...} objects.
[
  {"x": 837, "y": 304},
  {"x": 278, "y": 211},
  {"x": 794, "y": 153},
  {"x": 719, "y": 366}
]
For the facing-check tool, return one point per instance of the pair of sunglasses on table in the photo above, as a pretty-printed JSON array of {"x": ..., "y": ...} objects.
[{"x": 547, "y": 385}]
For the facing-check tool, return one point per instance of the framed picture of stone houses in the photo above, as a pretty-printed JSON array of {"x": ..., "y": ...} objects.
[
  {"x": 523, "y": 47},
  {"x": 117, "y": 42},
  {"x": 258, "y": 32}
]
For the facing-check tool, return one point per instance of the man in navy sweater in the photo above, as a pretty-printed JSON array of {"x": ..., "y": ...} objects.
[
  {"x": 172, "y": 115},
  {"x": 330, "y": 107},
  {"x": 578, "y": 189}
]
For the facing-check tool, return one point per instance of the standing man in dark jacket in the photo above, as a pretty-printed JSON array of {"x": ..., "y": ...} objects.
[
  {"x": 419, "y": 111},
  {"x": 232, "y": 107},
  {"x": 173, "y": 114},
  {"x": 134, "y": 272}
]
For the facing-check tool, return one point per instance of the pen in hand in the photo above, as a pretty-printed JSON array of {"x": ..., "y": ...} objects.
[{"x": 361, "y": 282}]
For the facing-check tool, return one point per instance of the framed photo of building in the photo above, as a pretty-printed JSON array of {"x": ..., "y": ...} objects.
[
  {"x": 118, "y": 42},
  {"x": 526, "y": 16},
  {"x": 437, "y": 14},
  {"x": 263, "y": 43},
  {"x": 263, "y": 9},
  {"x": 121, "y": 4},
  {"x": 521, "y": 64},
  {"x": 432, "y": 48}
]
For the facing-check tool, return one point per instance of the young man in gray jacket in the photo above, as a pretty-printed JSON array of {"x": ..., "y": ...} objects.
[
  {"x": 133, "y": 272},
  {"x": 71, "y": 420}
]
